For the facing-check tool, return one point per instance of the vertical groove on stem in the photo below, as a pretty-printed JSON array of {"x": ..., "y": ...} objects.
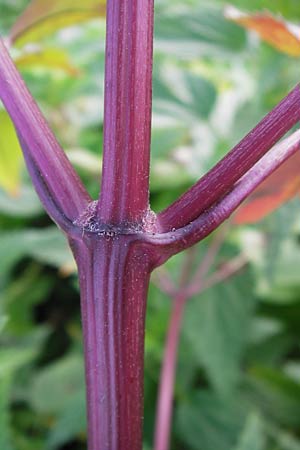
[
  {"x": 127, "y": 111},
  {"x": 114, "y": 279}
]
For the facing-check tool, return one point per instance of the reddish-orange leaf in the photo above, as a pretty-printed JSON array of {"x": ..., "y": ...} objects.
[
  {"x": 280, "y": 187},
  {"x": 279, "y": 33},
  {"x": 41, "y": 17}
]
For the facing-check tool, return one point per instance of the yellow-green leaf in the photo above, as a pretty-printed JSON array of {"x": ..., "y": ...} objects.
[
  {"x": 10, "y": 156},
  {"x": 277, "y": 32},
  {"x": 52, "y": 58},
  {"x": 42, "y": 18}
]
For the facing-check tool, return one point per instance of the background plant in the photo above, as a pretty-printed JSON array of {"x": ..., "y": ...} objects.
[{"x": 224, "y": 68}]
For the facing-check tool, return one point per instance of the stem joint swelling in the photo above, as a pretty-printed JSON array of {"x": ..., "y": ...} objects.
[{"x": 89, "y": 223}]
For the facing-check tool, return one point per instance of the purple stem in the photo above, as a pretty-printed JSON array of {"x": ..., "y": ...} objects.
[
  {"x": 127, "y": 112},
  {"x": 114, "y": 274},
  {"x": 60, "y": 189},
  {"x": 174, "y": 242},
  {"x": 236, "y": 163}
]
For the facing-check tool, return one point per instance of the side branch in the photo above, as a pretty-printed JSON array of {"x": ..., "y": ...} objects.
[
  {"x": 173, "y": 242},
  {"x": 219, "y": 180},
  {"x": 127, "y": 111},
  {"x": 58, "y": 185}
]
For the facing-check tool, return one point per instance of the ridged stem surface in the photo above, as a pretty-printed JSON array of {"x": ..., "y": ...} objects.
[
  {"x": 124, "y": 193},
  {"x": 114, "y": 278}
]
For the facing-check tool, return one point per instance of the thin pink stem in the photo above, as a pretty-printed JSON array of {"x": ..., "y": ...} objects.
[
  {"x": 168, "y": 372},
  {"x": 127, "y": 112},
  {"x": 162, "y": 279},
  {"x": 219, "y": 180},
  {"x": 167, "y": 378},
  {"x": 187, "y": 267},
  {"x": 209, "y": 257},
  {"x": 226, "y": 271}
]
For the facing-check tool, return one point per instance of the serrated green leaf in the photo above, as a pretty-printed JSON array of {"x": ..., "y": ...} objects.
[
  {"x": 208, "y": 423},
  {"x": 197, "y": 32},
  {"x": 276, "y": 394},
  {"x": 70, "y": 423},
  {"x": 217, "y": 326},
  {"x": 47, "y": 245},
  {"x": 56, "y": 384},
  {"x": 252, "y": 436}
]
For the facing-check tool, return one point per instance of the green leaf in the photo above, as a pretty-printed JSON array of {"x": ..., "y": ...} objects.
[
  {"x": 10, "y": 156},
  {"x": 71, "y": 421},
  {"x": 182, "y": 94},
  {"x": 5, "y": 432},
  {"x": 20, "y": 297},
  {"x": 196, "y": 32},
  {"x": 276, "y": 394},
  {"x": 287, "y": 8},
  {"x": 217, "y": 326},
  {"x": 25, "y": 204},
  {"x": 42, "y": 18},
  {"x": 206, "y": 422},
  {"x": 12, "y": 359},
  {"x": 166, "y": 139},
  {"x": 47, "y": 245},
  {"x": 55, "y": 385},
  {"x": 252, "y": 436}
]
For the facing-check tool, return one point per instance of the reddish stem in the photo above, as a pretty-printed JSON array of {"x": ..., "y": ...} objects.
[
  {"x": 174, "y": 242},
  {"x": 58, "y": 185},
  {"x": 114, "y": 275},
  {"x": 127, "y": 112},
  {"x": 167, "y": 377},
  {"x": 236, "y": 163}
]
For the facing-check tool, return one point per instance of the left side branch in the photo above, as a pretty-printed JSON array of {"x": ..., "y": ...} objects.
[{"x": 56, "y": 182}]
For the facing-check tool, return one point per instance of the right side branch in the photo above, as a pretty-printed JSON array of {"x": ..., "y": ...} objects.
[{"x": 219, "y": 180}]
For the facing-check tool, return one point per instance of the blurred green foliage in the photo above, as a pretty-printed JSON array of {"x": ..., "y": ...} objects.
[{"x": 238, "y": 379}]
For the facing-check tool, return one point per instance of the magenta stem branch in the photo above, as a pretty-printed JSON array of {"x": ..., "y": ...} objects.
[
  {"x": 127, "y": 111},
  {"x": 174, "y": 242},
  {"x": 57, "y": 183},
  {"x": 219, "y": 180}
]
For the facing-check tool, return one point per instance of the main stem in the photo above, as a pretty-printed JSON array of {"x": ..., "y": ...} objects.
[
  {"x": 127, "y": 111},
  {"x": 114, "y": 277}
]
